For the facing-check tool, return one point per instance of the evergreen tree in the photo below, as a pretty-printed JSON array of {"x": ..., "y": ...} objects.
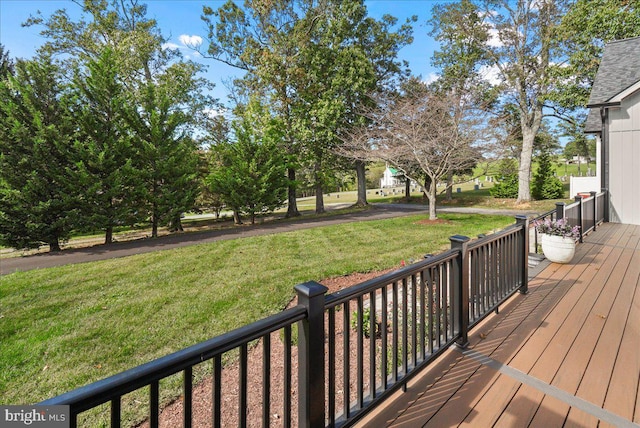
[
  {"x": 37, "y": 187},
  {"x": 545, "y": 184},
  {"x": 104, "y": 149},
  {"x": 252, "y": 177}
]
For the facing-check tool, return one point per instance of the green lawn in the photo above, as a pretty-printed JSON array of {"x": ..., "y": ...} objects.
[{"x": 64, "y": 327}]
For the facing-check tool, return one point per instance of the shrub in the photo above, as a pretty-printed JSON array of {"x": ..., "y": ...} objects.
[
  {"x": 545, "y": 184},
  {"x": 506, "y": 188}
]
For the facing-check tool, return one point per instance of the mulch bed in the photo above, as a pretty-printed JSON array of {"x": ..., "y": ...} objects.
[{"x": 171, "y": 415}]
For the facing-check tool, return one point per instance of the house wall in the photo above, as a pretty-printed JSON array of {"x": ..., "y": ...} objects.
[{"x": 624, "y": 161}]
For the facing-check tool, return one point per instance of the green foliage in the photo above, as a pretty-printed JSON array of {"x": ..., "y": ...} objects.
[
  {"x": 251, "y": 175},
  {"x": 103, "y": 151},
  {"x": 585, "y": 29},
  {"x": 37, "y": 187},
  {"x": 314, "y": 64},
  {"x": 369, "y": 324},
  {"x": 545, "y": 184},
  {"x": 507, "y": 187}
]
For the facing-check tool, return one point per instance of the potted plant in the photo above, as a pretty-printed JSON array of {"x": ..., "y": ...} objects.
[{"x": 558, "y": 239}]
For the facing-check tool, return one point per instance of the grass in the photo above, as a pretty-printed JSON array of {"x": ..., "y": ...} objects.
[{"x": 64, "y": 327}]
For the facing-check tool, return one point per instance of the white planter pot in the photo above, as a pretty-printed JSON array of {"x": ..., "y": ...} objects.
[{"x": 558, "y": 249}]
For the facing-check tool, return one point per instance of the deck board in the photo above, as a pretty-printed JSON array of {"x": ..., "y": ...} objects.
[{"x": 566, "y": 354}]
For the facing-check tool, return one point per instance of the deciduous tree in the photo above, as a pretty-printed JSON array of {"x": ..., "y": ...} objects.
[{"x": 514, "y": 40}]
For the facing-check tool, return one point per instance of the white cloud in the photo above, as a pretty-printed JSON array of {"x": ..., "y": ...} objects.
[
  {"x": 432, "y": 77},
  {"x": 211, "y": 112},
  {"x": 494, "y": 38},
  {"x": 491, "y": 73},
  {"x": 170, "y": 45},
  {"x": 190, "y": 41}
]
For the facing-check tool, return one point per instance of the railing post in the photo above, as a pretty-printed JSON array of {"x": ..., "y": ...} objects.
[
  {"x": 311, "y": 356},
  {"x": 461, "y": 287},
  {"x": 559, "y": 210},
  {"x": 523, "y": 220},
  {"x": 578, "y": 199},
  {"x": 605, "y": 208},
  {"x": 595, "y": 209}
]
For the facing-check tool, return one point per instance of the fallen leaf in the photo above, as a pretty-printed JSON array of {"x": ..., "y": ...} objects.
[
  {"x": 45, "y": 367},
  {"x": 483, "y": 336}
]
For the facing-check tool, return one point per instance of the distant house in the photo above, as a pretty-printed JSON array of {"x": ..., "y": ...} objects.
[
  {"x": 391, "y": 178},
  {"x": 615, "y": 120}
]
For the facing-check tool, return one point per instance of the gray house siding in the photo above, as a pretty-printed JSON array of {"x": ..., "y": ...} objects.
[
  {"x": 624, "y": 161},
  {"x": 615, "y": 119}
]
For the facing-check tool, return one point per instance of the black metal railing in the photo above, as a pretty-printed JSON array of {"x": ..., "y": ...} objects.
[
  {"x": 391, "y": 327},
  {"x": 552, "y": 215},
  {"x": 587, "y": 213}
]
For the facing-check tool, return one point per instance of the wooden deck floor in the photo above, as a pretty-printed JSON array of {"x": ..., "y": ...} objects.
[{"x": 567, "y": 354}]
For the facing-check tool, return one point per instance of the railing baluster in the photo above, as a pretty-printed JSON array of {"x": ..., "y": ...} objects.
[
  {"x": 188, "y": 397},
  {"x": 331, "y": 392},
  {"x": 414, "y": 319},
  {"x": 266, "y": 379},
  {"x": 423, "y": 317},
  {"x": 216, "y": 391},
  {"x": 384, "y": 327},
  {"x": 116, "y": 413},
  {"x": 360, "y": 354},
  {"x": 438, "y": 303},
  {"x": 430, "y": 304},
  {"x": 242, "y": 388},
  {"x": 346, "y": 364},
  {"x": 405, "y": 329},
  {"x": 394, "y": 333},
  {"x": 154, "y": 406},
  {"x": 373, "y": 333},
  {"x": 286, "y": 400}
]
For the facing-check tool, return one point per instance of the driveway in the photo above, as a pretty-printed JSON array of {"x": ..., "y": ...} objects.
[{"x": 128, "y": 248}]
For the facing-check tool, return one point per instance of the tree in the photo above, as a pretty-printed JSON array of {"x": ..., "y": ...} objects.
[
  {"x": 37, "y": 188},
  {"x": 165, "y": 97},
  {"x": 431, "y": 134},
  {"x": 545, "y": 184},
  {"x": 166, "y": 156},
  {"x": 314, "y": 63},
  {"x": 104, "y": 150},
  {"x": 584, "y": 30},
  {"x": 252, "y": 176},
  {"x": 6, "y": 64},
  {"x": 516, "y": 41}
]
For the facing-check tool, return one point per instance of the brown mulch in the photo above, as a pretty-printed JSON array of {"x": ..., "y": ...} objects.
[{"x": 171, "y": 415}]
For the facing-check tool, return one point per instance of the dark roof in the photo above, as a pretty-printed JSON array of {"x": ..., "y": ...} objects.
[{"x": 619, "y": 69}]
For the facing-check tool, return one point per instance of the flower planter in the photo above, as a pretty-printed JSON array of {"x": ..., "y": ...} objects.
[{"x": 558, "y": 249}]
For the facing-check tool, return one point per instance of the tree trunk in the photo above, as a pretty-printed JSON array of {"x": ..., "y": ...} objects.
[
  {"x": 154, "y": 226},
  {"x": 431, "y": 194},
  {"x": 529, "y": 131},
  {"x": 407, "y": 188},
  {"x": 54, "y": 246},
  {"x": 108, "y": 236},
  {"x": 319, "y": 198},
  {"x": 362, "y": 183},
  {"x": 449, "y": 192},
  {"x": 236, "y": 217},
  {"x": 292, "y": 210},
  {"x": 318, "y": 188}
]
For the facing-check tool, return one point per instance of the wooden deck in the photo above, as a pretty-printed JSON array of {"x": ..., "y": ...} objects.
[{"x": 567, "y": 354}]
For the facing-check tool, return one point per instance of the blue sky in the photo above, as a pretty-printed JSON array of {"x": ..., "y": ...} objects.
[{"x": 178, "y": 18}]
